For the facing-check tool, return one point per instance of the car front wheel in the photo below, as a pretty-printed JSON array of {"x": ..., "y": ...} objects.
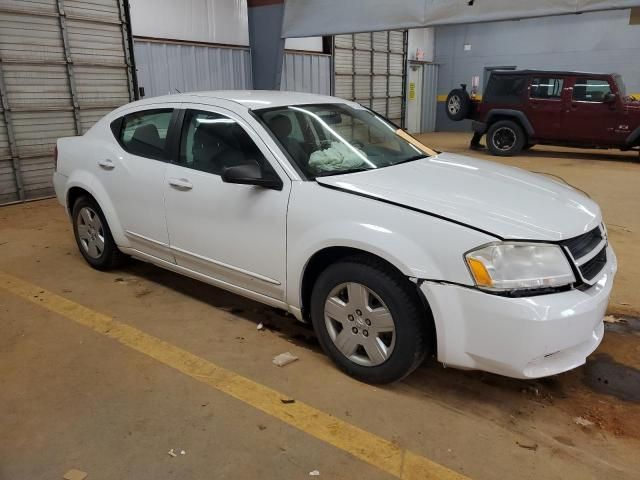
[
  {"x": 505, "y": 138},
  {"x": 369, "y": 320}
]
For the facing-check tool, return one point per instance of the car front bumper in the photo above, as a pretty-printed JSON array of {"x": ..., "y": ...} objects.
[{"x": 526, "y": 337}]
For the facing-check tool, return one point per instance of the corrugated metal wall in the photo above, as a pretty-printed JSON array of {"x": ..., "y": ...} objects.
[
  {"x": 370, "y": 69},
  {"x": 63, "y": 64},
  {"x": 306, "y": 72},
  {"x": 168, "y": 67},
  {"x": 429, "y": 96}
]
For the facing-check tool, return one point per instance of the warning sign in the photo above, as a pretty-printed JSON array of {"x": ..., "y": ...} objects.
[{"x": 412, "y": 91}]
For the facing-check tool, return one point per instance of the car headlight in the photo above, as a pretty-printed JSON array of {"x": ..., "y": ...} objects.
[{"x": 519, "y": 265}]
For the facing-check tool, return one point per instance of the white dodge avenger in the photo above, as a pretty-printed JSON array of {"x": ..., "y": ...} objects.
[{"x": 319, "y": 206}]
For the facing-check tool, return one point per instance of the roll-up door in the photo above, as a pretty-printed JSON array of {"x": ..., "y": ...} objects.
[
  {"x": 63, "y": 65},
  {"x": 370, "y": 68}
]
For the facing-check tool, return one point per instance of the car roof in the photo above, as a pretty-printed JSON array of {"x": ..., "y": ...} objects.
[
  {"x": 547, "y": 72},
  {"x": 251, "y": 99}
]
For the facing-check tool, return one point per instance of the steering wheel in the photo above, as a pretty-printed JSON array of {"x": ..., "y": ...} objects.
[{"x": 357, "y": 143}]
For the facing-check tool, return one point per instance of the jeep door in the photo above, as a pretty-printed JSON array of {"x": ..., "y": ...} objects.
[
  {"x": 545, "y": 108},
  {"x": 592, "y": 116}
]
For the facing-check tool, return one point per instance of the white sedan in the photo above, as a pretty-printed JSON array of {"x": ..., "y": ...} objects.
[{"x": 321, "y": 207}]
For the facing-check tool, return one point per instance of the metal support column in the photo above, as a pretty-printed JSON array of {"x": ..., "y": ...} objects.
[
  {"x": 266, "y": 42},
  {"x": 386, "y": 112},
  {"x": 15, "y": 160},
  {"x": 67, "y": 55},
  {"x": 127, "y": 47}
]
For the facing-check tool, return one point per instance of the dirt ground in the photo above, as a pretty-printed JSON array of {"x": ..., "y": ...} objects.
[{"x": 71, "y": 398}]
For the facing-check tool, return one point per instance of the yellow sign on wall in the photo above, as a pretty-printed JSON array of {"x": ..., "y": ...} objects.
[{"x": 412, "y": 91}]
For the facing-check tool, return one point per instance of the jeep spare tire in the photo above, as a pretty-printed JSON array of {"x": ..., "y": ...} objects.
[{"x": 458, "y": 104}]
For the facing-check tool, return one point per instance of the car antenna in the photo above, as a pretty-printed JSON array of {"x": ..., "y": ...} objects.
[{"x": 177, "y": 90}]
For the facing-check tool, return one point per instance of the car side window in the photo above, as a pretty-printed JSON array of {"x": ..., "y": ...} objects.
[
  {"x": 591, "y": 90},
  {"x": 546, "y": 88},
  {"x": 211, "y": 142},
  {"x": 144, "y": 133}
]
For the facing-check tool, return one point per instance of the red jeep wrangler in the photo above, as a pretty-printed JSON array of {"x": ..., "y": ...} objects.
[{"x": 522, "y": 108}]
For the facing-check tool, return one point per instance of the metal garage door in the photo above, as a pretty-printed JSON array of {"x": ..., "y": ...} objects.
[
  {"x": 63, "y": 65},
  {"x": 370, "y": 68}
]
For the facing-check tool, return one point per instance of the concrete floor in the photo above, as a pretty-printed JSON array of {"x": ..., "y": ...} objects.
[{"x": 72, "y": 398}]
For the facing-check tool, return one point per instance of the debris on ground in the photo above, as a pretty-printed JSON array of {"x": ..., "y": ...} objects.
[
  {"x": 262, "y": 427},
  {"x": 74, "y": 474},
  {"x": 287, "y": 400},
  {"x": 314, "y": 473},
  {"x": 260, "y": 326},
  {"x": 583, "y": 422},
  {"x": 182, "y": 452},
  {"x": 284, "y": 359},
  {"x": 613, "y": 319},
  {"x": 171, "y": 453},
  {"x": 528, "y": 446}
]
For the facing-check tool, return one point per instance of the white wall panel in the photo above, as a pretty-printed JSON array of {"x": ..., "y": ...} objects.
[{"x": 209, "y": 21}]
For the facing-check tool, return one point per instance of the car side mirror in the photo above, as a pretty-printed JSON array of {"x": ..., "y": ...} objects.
[
  {"x": 251, "y": 174},
  {"x": 610, "y": 97}
]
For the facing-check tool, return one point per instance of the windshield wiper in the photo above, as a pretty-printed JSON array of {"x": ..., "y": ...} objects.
[
  {"x": 341, "y": 172},
  {"x": 412, "y": 159}
]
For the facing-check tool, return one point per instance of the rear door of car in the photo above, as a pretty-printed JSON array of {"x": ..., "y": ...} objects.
[
  {"x": 232, "y": 233},
  {"x": 545, "y": 108},
  {"x": 590, "y": 118},
  {"x": 133, "y": 176}
]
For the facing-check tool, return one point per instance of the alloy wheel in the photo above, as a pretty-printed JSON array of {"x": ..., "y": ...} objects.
[
  {"x": 90, "y": 232},
  {"x": 504, "y": 138},
  {"x": 359, "y": 324}
]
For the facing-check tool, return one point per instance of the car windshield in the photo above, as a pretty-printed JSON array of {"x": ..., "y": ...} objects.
[{"x": 332, "y": 139}]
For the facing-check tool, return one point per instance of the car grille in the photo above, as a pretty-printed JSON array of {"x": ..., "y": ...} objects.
[{"x": 588, "y": 252}]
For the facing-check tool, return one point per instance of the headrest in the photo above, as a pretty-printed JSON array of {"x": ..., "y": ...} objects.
[{"x": 281, "y": 126}]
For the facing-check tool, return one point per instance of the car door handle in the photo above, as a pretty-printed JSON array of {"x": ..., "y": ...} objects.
[
  {"x": 107, "y": 164},
  {"x": 180, "y": 183}
]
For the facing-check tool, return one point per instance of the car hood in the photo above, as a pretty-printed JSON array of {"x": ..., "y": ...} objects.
[{"x": 506, "y": 201}]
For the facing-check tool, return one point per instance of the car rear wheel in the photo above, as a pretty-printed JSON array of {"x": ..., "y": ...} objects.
[
  {"x": 458, "y": 104},
  {"x": 369, "y": 320},
  {"x": 505, "y": 138},
  {"x": 93, "y": 236}
]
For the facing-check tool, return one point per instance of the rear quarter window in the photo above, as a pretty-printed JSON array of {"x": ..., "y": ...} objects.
[
  {"x": 144, "y": 133},
  {"x": 505, "y": 89}
]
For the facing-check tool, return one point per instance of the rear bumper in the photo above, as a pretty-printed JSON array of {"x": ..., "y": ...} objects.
[{"x": 526, "y": 337}]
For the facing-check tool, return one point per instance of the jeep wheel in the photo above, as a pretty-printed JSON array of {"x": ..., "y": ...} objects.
[
  {"x": 458, "y": 104},
  {"x": 505, "y": 138}
]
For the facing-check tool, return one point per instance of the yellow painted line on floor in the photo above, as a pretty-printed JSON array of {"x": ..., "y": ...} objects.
[{"x": 361, "y": 444}]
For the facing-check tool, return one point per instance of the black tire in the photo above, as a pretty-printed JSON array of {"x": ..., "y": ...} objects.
[
  {"x": 506, "y": 138},
  {"x": 412, "y": 338},
  {"x": 109, "y": 256},
  {"x": 458, "y": 104}
]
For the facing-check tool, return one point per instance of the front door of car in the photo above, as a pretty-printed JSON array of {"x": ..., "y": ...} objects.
[
  {"x": 230, "y": 232},
  {"x": 545, "y": 108},
  {"x": 592, "y": 116},
  {"x": 133, "y": 176}
]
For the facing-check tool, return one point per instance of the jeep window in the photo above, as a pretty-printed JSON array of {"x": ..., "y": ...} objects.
[
  {"x": 591, "y": 89},
  {"x": 505, "y": 89},
  {"x": 546, "y": 88}
]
